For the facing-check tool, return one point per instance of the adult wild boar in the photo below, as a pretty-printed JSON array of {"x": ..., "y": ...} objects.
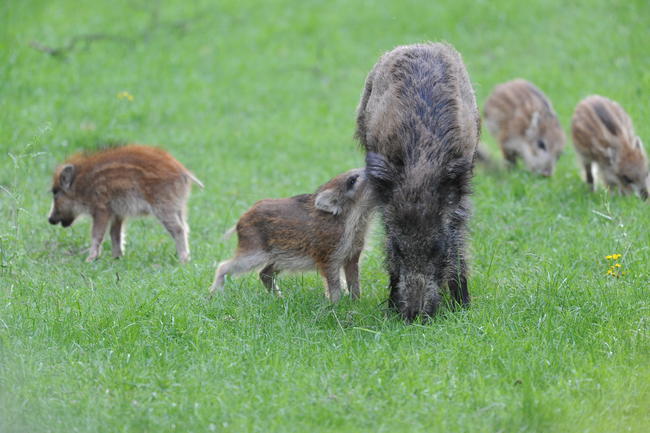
[{"x": 419, "y": 123}]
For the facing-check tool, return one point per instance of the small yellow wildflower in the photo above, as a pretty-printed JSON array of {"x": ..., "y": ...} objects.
[
  {"x": 616, "y": 256},
  {"x": 618, "y": 265},
  {"x": 125, "y": 95},
  {"x": 608, "y": 257}
]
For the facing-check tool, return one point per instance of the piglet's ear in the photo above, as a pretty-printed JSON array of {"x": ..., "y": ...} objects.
[
  {"x": 67, "y": 176},
  {"x": 533, "y": 129},
  {"x": 611, "y": 155},
  {"x": 639, "y": 145},
  {"x": 380, "y": 173},
  {"x": 328, "y": 201}
]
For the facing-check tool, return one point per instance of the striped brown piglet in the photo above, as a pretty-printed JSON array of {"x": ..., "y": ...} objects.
[
  {"x": 114, "y": 184},
  {"x": 604, "y": 139}
]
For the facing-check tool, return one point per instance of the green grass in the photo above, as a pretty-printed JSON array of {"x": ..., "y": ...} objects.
[{"x": 259, "y": 101}]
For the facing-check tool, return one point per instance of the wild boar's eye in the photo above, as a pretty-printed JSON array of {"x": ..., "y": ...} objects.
[
  {"x": 541, "y": 144},
  {"x": 351, "y": 181},
  {"x": 55, "y": 191},
  {"x": 626, "y": 179}
]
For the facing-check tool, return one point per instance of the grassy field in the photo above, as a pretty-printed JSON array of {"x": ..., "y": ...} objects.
[{"x": 258, "y": 99}]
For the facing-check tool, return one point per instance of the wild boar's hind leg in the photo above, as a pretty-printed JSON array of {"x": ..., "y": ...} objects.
[
  {"x": 267, "y": 275},
  {"x": 351, "y": 269},
  {"x": 177, "y": 228},
  {"x": 117, "y": 237},
  {"x": 237, "y": 265},
  {"x": 100, "y": 224}
]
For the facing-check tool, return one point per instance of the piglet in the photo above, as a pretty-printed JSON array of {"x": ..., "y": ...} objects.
[
  {"x": 522, "y": 119},
  {"x": 324, "y": 231},
  {"x": 114, "y": 184},
  {"x": 603, "y": 135}
]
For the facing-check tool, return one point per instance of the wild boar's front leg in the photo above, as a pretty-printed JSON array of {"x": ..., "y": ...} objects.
[
  {"x": 100, "y": 224},
  {"x": 351, "y": 269},
  {"x": 459, "y": 291},
  {"x": 117, "y": 237},
  {"x": 332, "y": 275}
]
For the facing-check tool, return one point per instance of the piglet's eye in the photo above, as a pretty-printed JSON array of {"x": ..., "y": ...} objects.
[
  {"x": 55, "y": 191},
  {"x": 351, "y": 181},
  {"x": 541, "y": 144}
]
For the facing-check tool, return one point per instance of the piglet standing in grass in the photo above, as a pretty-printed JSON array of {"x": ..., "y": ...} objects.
[
  {"x": 603, "y": 136},
  {"x": 419, "y": 124},
  {"x": 323, "y": 231},
  {"x": 116, "y": 183},
  {"x": 522, "y": 120}
]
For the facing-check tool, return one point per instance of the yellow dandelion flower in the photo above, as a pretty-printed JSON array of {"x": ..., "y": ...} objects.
[
  {"x": 125, "y": 95},
  {"x": 608, "y": 257},
  {"x": 616, "y": 256},
  {"x": 618, "y": 265}
]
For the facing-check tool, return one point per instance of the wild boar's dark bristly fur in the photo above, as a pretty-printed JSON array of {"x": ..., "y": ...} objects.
[{"x": 419, "y": 124}]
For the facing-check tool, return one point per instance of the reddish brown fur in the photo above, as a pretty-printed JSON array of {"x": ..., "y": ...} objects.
[
  {"x": 603, "y": 135},
  {"x": 522, "y": 120},
  {"x": 323, "y": 231},
  {"x": 114, "y": 184}
]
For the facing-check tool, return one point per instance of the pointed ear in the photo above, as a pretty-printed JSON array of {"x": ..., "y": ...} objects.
[
  {"x": 639, "y": 145},
  {"x": 328, "y": 201},
  {"x": 66, "y": 177},
  {"x": 611, "y": 155},
  {"x": 533, "y": 129},
  {"x": 380, "y": 173}
]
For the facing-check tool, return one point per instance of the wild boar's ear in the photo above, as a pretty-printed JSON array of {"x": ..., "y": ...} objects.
[
  {"x": 66, "y": 177},
  {"x": 611, "y": 155},
  {"x": 328, "y": 201},
  {"x": 639, "y": 145},
  {"x": 533, "y": 128},
  {"x": 380, "y": 173}
]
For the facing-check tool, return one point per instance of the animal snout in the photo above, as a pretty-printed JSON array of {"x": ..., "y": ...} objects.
[
  {"x": 52, "y": 220},
  {"x": 546, "y": 172}
]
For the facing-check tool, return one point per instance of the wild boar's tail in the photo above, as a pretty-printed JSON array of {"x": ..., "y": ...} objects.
[
  {"x": 229, "y": 233},
  {"x": 195, "y": 179}
]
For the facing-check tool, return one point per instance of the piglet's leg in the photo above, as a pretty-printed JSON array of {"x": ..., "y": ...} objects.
[
  {"x": 589, "y": 177},
  {"x": 177, "y": 228},
  {"x": 351, "y": 269},
  {"x": 237, "y": 265},
  {"x": 267, "y": 275},
  {"x": 117, "y": 237},
  {"x": 100, "y": 224},
  {"x": 333, "y": 282}
]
